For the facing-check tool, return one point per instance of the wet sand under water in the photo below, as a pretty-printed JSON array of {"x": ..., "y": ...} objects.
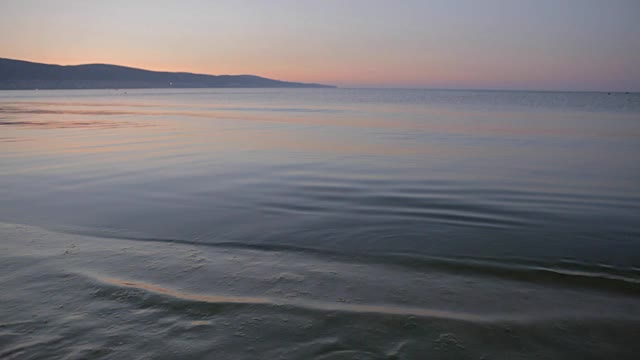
[{"x": 75, "y": 296}]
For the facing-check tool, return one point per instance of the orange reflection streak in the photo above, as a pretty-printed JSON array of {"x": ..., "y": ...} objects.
[{"x": 310, "y": 305}]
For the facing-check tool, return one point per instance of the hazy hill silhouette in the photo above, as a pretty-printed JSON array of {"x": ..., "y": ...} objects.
[{"x": 18, "y": 74}]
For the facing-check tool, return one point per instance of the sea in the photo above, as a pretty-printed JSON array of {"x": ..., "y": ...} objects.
[{"x": 319, "y": 224}]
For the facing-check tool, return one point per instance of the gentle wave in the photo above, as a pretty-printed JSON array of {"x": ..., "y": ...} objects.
[
  {"x": 222, "y": 300},
  {"x": 570, "y": 274},
  {"x": 219, "y": 302}
]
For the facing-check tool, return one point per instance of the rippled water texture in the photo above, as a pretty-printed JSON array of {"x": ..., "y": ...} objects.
[{"x": 319, "y": 224}]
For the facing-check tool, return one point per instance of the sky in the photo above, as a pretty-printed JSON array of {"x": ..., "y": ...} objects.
[{"x": 471, "y": 44}]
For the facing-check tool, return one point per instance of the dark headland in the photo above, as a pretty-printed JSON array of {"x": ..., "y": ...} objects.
[{"x": 23, "y": 75}]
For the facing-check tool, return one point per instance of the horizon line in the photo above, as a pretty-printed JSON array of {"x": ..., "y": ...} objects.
[{"x": 349, "y": 86}]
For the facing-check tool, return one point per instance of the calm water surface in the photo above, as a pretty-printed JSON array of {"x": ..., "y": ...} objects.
[{"x": 319, "y": 223}]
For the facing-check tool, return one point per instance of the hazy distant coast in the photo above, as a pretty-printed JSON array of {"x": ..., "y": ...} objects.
[{"x": 23, "y": 75}]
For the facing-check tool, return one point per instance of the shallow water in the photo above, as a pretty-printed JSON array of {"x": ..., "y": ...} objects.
[{"x": 319, "y": 223}]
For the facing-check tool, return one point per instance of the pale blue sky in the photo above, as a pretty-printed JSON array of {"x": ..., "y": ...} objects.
[{"x": 527, "y": 44}]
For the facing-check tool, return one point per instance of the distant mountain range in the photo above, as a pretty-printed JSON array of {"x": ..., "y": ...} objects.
[{"x": 18, "y": 75}]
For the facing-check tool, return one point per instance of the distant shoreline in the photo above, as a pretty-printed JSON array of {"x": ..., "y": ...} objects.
[
  {"x": 25, "y": 75},
  {"x": 174, "y": 88},
  {"x": 341, "y": 88}
]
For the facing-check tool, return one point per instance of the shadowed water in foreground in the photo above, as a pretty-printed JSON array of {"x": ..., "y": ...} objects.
[
  {"x": 122, "y": 298},
  {"x": 319, "y": 224}
]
